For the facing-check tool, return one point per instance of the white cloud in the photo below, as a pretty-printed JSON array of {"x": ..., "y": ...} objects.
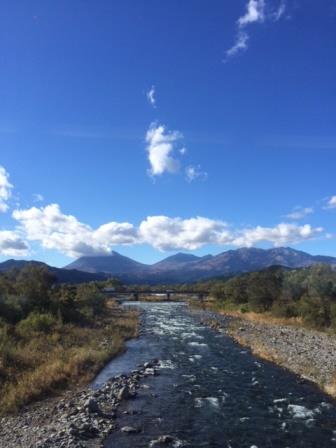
[
  {"x": 332, "y": 202},
  {"x": 55, "y": 230},
  {"x": 161, "y": 149},
  {"x": 151, "y": 96},
  {"x": 38, "y": 197},
  {"x": 240, "y": 44},
  {"x": 299, "y": 213},
  {"x": 5, "y": 189},
  {"x": 166, "y": 233},
  {"x": 279, "y": 235},
  {"x": 165, "y": 157},
  {"x": 256, "y": 13},
  {"x": 12, "y": 245},
  {"x": 65, "y": 233},
  {"x": 195, "y": 172},
  {"x": 277, "y": 15}
]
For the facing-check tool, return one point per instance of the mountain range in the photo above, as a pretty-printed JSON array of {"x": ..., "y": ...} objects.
[
  {"x": 187, "y": 267},
  {"x": 178, "y": 268}
]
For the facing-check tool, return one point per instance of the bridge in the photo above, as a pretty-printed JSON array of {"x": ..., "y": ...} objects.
[{"x": 135, "y": 294}]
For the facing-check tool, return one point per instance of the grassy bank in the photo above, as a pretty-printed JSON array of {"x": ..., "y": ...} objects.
[
  {"x": 55, "y": 338},
  {"x": 44, "y": 363}
]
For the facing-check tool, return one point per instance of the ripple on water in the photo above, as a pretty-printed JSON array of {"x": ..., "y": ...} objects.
[
  {"x": 212, "y": 401},
  {"x": 167, "y": 364},
  {"x": 301, "y": 412},
  {"x": 197, "y": 344},
  {"x": 193, "y": 358}
]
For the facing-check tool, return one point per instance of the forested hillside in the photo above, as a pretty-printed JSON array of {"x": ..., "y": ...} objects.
[{"x": 308, "y": 294}]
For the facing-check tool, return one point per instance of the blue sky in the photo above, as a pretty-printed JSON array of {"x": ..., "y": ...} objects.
[{"x": 150, "y": 127}]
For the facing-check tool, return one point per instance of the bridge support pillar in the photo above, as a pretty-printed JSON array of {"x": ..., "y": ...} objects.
[{"x": 168, "y": 296}]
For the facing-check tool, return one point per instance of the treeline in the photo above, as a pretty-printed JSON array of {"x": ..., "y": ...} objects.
[
  {"x": 308, "y": 293},
  {"x": 33, "y": 291}
]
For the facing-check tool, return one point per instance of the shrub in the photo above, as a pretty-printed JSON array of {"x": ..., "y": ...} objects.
[
  {"x": 37, "y": 323},
  {"x": 284, "y": 308},
  {"x": 333, "y": 316},
  {"x": 315, "y": 312}
]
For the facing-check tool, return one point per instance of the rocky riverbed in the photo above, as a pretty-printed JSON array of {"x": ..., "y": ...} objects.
[
  {"x": 78, "y": 419},
  {"x": 308, "y": 353}
]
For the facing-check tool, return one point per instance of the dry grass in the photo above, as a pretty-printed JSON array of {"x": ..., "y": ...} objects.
[
  {"x": 330, "y": 388},
  {"x": 46, "y": 364},
  {"x": 265, "y": 318}
]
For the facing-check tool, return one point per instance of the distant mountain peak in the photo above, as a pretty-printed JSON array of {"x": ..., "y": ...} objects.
[{"x": 187, "y": 267}]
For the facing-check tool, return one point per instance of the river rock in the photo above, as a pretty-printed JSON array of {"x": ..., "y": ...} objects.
[
  {"x": 92, "y": 406},
  {"x": 124, "y": 393}
]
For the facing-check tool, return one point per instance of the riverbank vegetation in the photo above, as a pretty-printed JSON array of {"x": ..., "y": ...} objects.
[
  {"x": 52, "y": 335},
  {"x": 303, "y": 296}
]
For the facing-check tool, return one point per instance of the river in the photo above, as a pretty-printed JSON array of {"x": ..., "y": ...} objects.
[{"x": 213, "y": 393}]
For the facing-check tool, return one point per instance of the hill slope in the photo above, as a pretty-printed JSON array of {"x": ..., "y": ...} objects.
[{"x": 62, "y": 275}]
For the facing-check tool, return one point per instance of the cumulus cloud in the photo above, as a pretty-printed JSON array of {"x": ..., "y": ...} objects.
[
  {"x": 299, "y": 213},
  {"x": 256, "y": 13},
  {"x": 55, "y": 230},
  {"x": 332, "y": 202},
  {"x": 66, "y": 234},
  {"x": 12, "y": 245},
  {"x": 161, "y": 149},
  {"x": 166, "y": 233},
  {"x": 165, "y": 156},
  {"x": 195, "y": 172},
  {"x": 151, "y": 96},
  {"x": 5, "y": 189},
  {"x": 279, "y": 235}
]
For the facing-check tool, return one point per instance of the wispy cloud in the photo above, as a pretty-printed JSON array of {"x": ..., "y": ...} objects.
[
  {"x": 257, "y": 12},
  {"x": 38, "y": 197},
  {"x": 279, "y": 13},
  {"x": 195, "y": 172},
  {"x": 300, "y": 213},
  {"x": 331, "y": 202},
  {"x": 5, "y": 189},
  {"x": 241, "y": 44},
  {"x": 151, "y": 96}
]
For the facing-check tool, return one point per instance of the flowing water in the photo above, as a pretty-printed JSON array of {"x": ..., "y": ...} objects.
[{"x": 213, "y": 393}]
